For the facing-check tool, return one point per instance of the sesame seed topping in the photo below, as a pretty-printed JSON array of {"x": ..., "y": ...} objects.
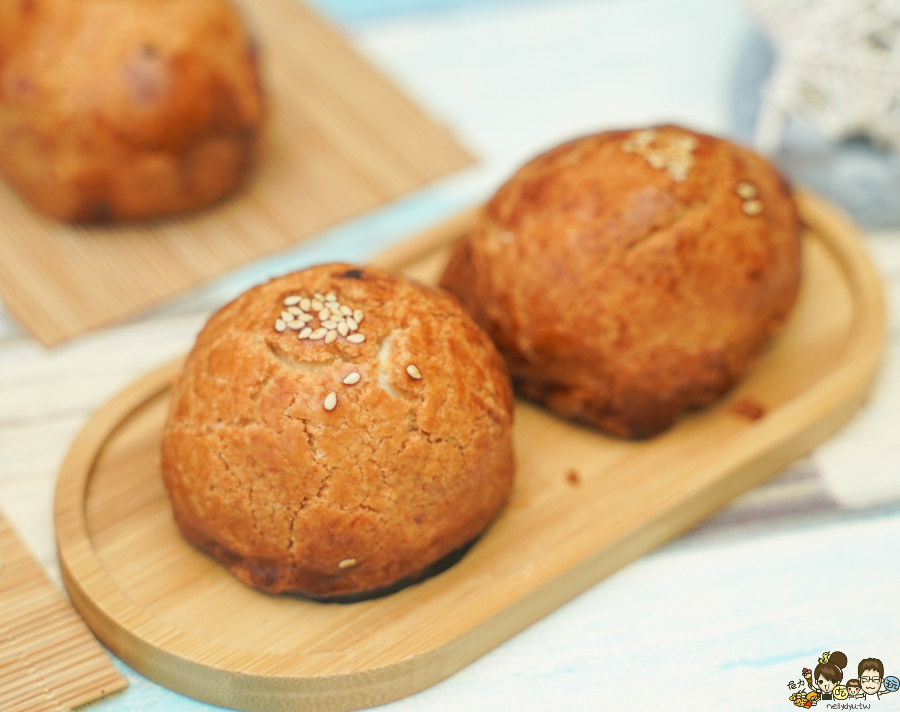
[
  {"x": 685, "y": 141},
  {"x": 752, "y": 207},
  {"x": 352, "y": 378},
  {"x": 656, "y": 160},
  {"x": 347, "y": 563},
  {"x": 335, "y": 319},
  {"x": 672, "y": 153},
  {"x": 330, "y": 401},
  {"x": 413, "y": 372},
  {"x": 644, "y": 137},
  {"x": 746, "y": 190}
]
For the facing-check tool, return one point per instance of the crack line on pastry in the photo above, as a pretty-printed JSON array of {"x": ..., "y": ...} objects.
[
  {"x": 289, "y": 359},
  {"x": 384, "y": 351}
]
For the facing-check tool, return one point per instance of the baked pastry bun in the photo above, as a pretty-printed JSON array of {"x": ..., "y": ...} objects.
[
  {"x": 630, "y": 275},
  {"x": 126, "y": 109},
  {"x": 338, "y": 433}
]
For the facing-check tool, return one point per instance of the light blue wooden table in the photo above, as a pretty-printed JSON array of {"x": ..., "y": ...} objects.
[{"x": 722, "y": 618}]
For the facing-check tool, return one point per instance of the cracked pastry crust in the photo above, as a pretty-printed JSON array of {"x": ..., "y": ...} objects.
[
  {"x": 630, "y": 275},
  {"x": 126, "y": 109},
  {"x": 397, "y": 477}
]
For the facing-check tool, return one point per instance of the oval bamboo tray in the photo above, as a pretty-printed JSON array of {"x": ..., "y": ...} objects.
[{"x": 584, "y": 505}]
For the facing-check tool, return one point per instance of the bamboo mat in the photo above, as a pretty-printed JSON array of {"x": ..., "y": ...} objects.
[
  {"x": 49, "y": 660},
  {"x": 341, "y": 140}
]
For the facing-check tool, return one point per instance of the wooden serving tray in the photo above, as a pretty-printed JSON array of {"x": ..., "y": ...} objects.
[
  {"x": 583, "y": 506},
  {"x": 340, "y": 139}
]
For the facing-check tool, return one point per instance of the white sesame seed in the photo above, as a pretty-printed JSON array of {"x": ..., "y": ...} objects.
[
  {"x": 304, "y": 333},
  {"x": 305, "y": 304},
  {"x": 306, "y": 318},
  {"x": 329, "y": 324},
  {"x": 334, "y": 306},
  {"x": 287, "y": 316},
  {"x": 413, "y": 372},
  {"x": 292, "y": 300},
  {"x": 330, "y": 336},
  {"x": 746, "y": 190},
  {"x": 351, "y": 323},
  {"x": 356, "y": 338},
  {"x": 319, "y": 296},
  {"x": 352, "y": 378},
  {"x": 295, "y": 324},
  {"x": 343, "y": 329},
  {"x": 337, "y": 317},
  {"x": 331, "y": 297},
  {"x": 324, "y": 313},
  {"x": 347, "y": 563},
  {"x": 316, "y": 305},
  {"x": 280, "y": 325},
  {"x": 358, "y": 315},
  {"x": 656, "y": 160},
  {"x": 330, "y": 401},
  {"x": 296, "y": 311},
  {"x": 752, "y": 207},
  {"x": 346, "y": 311},
  {"x": 318, "y": 334}
]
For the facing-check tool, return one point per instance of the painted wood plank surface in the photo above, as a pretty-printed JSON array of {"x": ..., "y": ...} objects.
[{"x": 720, "y": 618}]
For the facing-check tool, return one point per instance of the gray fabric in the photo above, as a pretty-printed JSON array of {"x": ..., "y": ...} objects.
[{"x": 862, "y": 178}]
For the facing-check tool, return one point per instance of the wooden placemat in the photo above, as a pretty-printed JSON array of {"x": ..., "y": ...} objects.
[
  {"x": 49, "y": 660},
  {"x": 341, "y": 139}
]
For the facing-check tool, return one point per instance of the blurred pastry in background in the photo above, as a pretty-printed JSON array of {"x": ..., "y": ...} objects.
[
  {"x": 631, "y": 275},
  {"x": 126, "y": 109}
]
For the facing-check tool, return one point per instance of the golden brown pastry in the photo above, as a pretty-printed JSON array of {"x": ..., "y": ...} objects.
[
  {"x": 338, "y": 433},
  {"x": 122, "y": 109},
  {"x": 630, "y": 275}
]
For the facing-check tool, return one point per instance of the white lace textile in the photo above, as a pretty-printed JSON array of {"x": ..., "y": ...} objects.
[{"x": 837, "y": 68}]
